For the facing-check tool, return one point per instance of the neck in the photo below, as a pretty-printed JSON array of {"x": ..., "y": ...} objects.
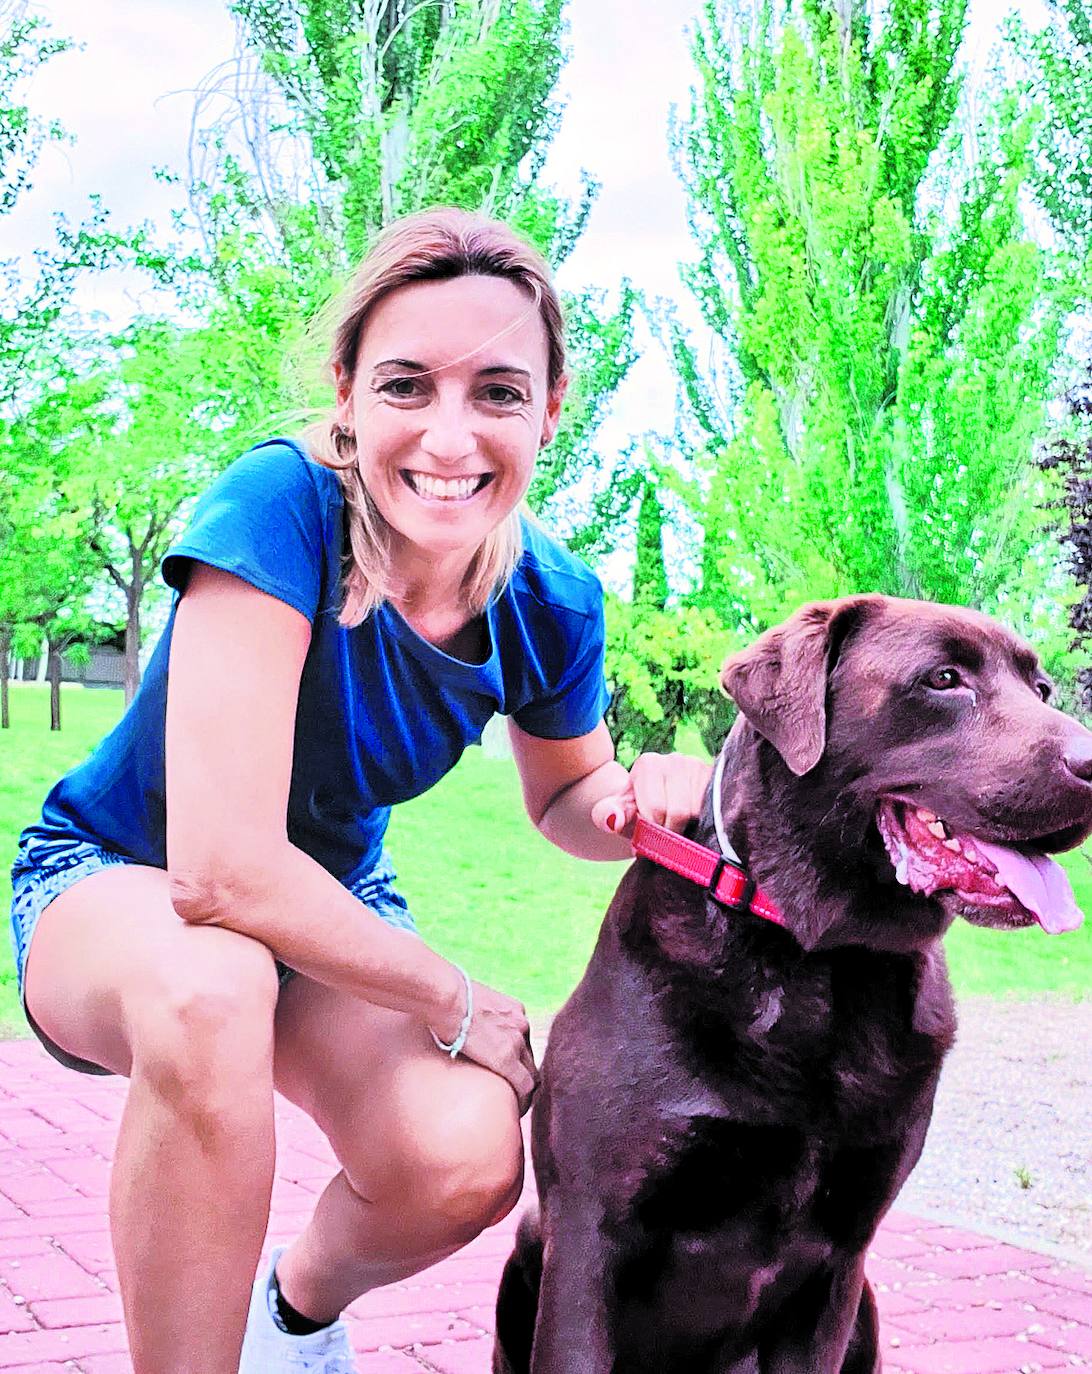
[{"x": 429, "y": 584}]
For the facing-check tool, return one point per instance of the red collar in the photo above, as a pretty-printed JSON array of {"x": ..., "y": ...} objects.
[{"x": 725, "y": 881}]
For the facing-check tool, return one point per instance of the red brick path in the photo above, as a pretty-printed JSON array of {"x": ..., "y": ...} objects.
[{"x": 951, "y": 1302}]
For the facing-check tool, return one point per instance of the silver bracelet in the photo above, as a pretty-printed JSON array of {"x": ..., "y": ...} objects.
[{"x": 456, "y": 1046}]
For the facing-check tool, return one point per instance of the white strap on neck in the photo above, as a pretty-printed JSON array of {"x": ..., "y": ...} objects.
[{"x": 718, "y": 817}]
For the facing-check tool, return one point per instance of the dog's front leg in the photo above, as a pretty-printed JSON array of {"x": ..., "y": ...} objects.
[
  {"x": 818, "y": 1325},
  {"x": 572, "y": 1331}
]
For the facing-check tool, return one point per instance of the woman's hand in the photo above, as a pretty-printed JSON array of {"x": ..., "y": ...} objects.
[
  {"x": 498, "y": 1039},
  {"x": 665, "y": 788}
]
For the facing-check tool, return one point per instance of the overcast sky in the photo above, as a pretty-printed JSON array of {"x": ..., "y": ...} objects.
[{"x": 128, "y": 97}]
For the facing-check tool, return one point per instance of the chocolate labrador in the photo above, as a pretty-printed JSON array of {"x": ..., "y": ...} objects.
[{"x": 730, "y": 1105}]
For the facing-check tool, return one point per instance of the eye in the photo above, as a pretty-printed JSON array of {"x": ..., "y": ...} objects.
[
  {"x": 401, "y": 388},
  {"x": 498, "y": 395},
  {"x": 1044, "y": 688},
  {"x": 944, "y": 679}
]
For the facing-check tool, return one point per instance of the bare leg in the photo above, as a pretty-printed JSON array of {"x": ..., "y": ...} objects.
[
  {"x": 430, "y": 1147},
  {"x": 115, "y": 977}
]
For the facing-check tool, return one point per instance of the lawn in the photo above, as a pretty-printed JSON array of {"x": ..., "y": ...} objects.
[{"x": 486, "y": 889}]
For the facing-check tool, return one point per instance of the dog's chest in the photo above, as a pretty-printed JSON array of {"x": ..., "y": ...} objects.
[
  {"x": 731, "y": 1216},
  {"x": 798, "y": 1122},
  {"x": 831, "y": 1047},
  {"x": 714, "y": 1195}
]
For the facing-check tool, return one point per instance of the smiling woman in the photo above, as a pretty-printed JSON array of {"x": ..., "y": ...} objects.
[
  {"x": 453, "y": 317},
  {"x": 206, "y": 905}
]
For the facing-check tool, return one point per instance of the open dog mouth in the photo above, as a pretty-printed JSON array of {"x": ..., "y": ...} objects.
[
  {"x": 431, "y": 488},
  {"x": 991, "y": 884}
]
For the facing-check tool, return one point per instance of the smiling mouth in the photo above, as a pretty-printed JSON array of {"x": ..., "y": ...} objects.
[
  {"x": 430, "y": 488},
  {"x": 989, "y": 884}
]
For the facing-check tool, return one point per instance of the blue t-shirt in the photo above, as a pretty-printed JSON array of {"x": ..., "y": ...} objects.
[{"x": 382, "y": 713}]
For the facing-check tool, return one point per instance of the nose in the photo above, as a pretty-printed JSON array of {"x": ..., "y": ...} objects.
[
  {"x": 448, "y": 435},
  {"x": 1078, "y": 756}
]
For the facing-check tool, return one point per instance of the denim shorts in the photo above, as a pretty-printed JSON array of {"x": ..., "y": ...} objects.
[{"x": 44, "y": 868}]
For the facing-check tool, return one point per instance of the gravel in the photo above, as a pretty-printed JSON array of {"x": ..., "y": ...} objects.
[{"x": 1009, "y": 1151}]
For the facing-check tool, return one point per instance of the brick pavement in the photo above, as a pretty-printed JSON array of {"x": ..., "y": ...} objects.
[{"x": 951, "y": 1301}]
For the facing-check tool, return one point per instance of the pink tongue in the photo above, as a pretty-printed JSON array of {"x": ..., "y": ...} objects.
[{"x": 1038, "y": 883}]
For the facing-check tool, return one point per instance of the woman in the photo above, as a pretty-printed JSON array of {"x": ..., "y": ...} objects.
[{"x": 211, "y": 910}]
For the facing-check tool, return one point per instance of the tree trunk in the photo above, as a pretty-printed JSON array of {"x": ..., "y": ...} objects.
[
  {"x": 54, "y": 652},
  {"x": 132, "y": 633},
  {"x": 5, "y": 672}
]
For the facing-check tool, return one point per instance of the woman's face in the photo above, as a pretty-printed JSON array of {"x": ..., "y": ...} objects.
[{"x": 449, "y": 405}]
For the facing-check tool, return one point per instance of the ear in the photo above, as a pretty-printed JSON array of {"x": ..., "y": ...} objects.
[
  {"x": 343, "y": 390},
  {"x": 552, "y": 417},
  {"x": 780, "y": 681}
]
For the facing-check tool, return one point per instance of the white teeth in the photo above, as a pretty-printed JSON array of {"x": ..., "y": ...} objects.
[
  {"x": 901, "y": 866},
  {"x": 937, "y": 828},
  {"x": 439, "y": 489},
  {"x": 954, "y": 846},
  {"x": 925, "y": 816}
]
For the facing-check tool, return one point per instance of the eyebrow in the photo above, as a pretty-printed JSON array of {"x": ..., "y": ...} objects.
[
  {"x": 1027, "y": 663},
  {"x": 407, "y": 365}
]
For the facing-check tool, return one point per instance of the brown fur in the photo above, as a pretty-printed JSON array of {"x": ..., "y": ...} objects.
[{"x": 729, "y": 1108}]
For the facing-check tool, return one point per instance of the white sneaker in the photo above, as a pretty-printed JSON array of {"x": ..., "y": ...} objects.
[{"x": 269, "y": 1350}]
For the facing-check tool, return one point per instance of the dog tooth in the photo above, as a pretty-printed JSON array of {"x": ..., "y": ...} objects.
[
  {"x": 954, "y": 845},
  {"x": 926, "y": 816},
  {"x": 937, "y": 828}
]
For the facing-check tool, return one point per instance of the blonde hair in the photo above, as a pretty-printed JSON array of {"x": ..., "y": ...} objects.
[{"x": 432, "y": 245}]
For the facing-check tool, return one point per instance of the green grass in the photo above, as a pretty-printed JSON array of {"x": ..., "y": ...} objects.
[{"x": 486, "y": 889}]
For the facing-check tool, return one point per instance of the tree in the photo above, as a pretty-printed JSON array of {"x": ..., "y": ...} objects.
[
  {"x": 650, "y": 587},
  {"x": 141, "y": 459},
  {"x": 1057, "y": 62},
  {"x": 47, "y": 568},
  {"x": 645, "y": 707},
  {"x": 1070, "y": 454},
  {"x": 26, "y": 320},
  {"x": 890, "y": 331},
  {"x": 24, "y": 47},
  {"x": 658, "y": 663}
]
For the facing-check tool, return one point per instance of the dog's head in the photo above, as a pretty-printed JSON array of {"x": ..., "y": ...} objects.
[{"x": 923, "y": 738}]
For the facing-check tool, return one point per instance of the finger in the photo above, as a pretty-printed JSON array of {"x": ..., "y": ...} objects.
[
  {"x": 614, "y": 814},
  {"x": 686, "y": 792},
  {"x": 525, "y": 1092},
  {"x": 678, "y": 801},
  {"x": 650, "y": 788}
]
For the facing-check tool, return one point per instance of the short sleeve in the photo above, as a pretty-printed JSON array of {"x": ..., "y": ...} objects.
[
  {"x": 262, "y": 520},
  {"x": 575, "y": 706}
]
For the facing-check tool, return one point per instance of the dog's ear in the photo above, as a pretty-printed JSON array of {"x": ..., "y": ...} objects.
[{"x": 780, "y": 681}]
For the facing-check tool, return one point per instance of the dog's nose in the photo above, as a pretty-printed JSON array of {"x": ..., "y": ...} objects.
[{"x": 1078, "y": 757}]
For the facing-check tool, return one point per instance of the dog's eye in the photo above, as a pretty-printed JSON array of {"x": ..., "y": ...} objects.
[
  {"x": 1044, "y": 689},
  {"x": 944, "y": 679}
]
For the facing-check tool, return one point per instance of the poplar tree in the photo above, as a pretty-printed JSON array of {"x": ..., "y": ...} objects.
[
  {"x": 1056, "y": 63},
  {"x": 889, "y": 330}
]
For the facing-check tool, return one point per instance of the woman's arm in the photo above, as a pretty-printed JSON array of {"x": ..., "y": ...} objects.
[
  {"x": 236, "y": 659},
  {"x": 579, "y": 797}
]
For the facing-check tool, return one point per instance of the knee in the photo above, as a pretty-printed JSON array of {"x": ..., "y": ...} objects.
[
  {"x": 202, "y": 1036},
  {"x": 463, "y": 1165},
  {"x": 476, "y": 1179}
]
